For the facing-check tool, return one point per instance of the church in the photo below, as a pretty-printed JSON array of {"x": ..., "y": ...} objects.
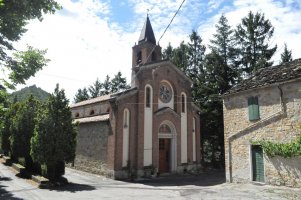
[{"x": 151, "y": 129}]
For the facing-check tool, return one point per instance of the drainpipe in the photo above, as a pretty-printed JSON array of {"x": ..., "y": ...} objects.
[{"x": 234, "y": 136}]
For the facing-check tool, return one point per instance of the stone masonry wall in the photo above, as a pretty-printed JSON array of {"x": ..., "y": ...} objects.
[
  {"x": 277, "y": 123},
  {"x": 91, "y": 149}
]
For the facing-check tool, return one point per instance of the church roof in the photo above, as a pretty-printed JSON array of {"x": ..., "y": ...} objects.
[
  {"x": 147, "y": 33},
  {"x": 268, "y": 76},
  {"x": 97, "y": 118},
  {"x": 102, "y": 98}
]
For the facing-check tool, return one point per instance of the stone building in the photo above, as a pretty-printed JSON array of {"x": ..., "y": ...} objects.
[
  {"x": 266, "y": 106},
  {"x": 151, "y": 128}
]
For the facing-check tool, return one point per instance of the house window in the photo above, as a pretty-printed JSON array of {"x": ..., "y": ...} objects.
[
  {"x": 183, "y": 103},
  {"x": 253, "y": 108}
]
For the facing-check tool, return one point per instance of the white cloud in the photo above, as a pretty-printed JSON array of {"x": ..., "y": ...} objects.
[{"x": 84, "y": 43}]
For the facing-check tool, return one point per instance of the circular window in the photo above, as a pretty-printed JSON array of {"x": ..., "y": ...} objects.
[{"x": 165, "y": 93}]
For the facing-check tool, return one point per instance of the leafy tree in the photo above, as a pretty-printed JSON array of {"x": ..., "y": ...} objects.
[
  {"x": 23, "y": 124},
  {"x": 24, "y": 93},
  {"x": 180, "y": 56},
  {"x": 95, "y": 89},
  {"x": 118, "y": 83},
  {"x": 286, "y": 56},
  {"x": 107, "y": 86},
  {"x": 253, "y": 36},
  {"x": 14, "y": 17},
  {"x": 81, "y": 95},
  {"x": 54, "y": 139}
]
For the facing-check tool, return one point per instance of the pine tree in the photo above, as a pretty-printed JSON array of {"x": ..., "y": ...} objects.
[
  {"x": 118, "y": 83},
  {"x": 54, "y": 139},
  {"x": 23, "y": 125},
  {"x": 168, "y": 52},
  {"x": 81, "y": 95},
  {"x": 286, "y": 56},
  {"x": 180, "y": 57},
  {"x": 107, "y": 86},
  {"x": 253, "y": 36},
  {"x": 95, "y": 89}
]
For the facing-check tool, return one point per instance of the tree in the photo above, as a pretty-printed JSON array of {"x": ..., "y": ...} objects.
[
  {"x": 107, "y": 86},
  {"x": 81, "y": 95},
  {"x": 14, "y": 17},
  {"x": 118, "y": 83},
  {"x": 95, "y": 89},
  {"x": 286, "y": 56},
  {"x": 23, "y": 124},
  {"x": 168, "y": 52},
  {"x": 54, "y": 139},
  {"x": 196, "y": 53},
  {"x": 253, "y": 36}
]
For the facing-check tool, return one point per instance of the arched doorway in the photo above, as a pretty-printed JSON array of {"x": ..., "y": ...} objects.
[{"x": 167, "y": 147}]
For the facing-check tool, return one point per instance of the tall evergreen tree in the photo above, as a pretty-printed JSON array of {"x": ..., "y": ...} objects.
[
  {"x": 95, "y": 89},
  {"x": 168, "y": 52},
  {"x": 118, "y": 83},
  {"x": 253, "y": 36},
  {"x": 54, "y": 139},
  {"x": 107, "y": 86},
  {"x": 196, "y": 54},
  {"x": 286, "y": 56},
  {"x": 24, "y": 124},
  {"x": 180, "y": 57},
  {"x": 81, "y": 95}
]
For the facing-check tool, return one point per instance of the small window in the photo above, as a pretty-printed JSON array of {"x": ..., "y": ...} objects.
[
  {"x": 139, "y": 57},
  {"x": 108, "y": 110},
  {"x": 154, "y": 56},
  {"x": 92, "y": 112},
  {"x": 253, "y": 108},
  {"x": 148, "y": 97},
  {"x": 126, "y": 114},
  {"x": 77, "y": 115},
  {"x": 183, "y": 103}
]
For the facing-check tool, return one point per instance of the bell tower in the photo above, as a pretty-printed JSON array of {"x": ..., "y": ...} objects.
[{"x": 146, "y": 50}]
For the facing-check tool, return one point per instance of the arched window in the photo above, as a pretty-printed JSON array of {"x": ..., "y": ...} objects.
[
  {"x": 183, "y": 103},
  {"x": 154, "y": 56},
  {"x": 148, "y": 96},
  {"x": 126, "y": 118},
  {"x": 164, "y": 128},
  {"x": 139, "y": 57}
]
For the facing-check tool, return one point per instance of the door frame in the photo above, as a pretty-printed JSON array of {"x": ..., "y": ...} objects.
[
  {"x": 173, "y": 145},
  {"x": 251, "y": 164}
]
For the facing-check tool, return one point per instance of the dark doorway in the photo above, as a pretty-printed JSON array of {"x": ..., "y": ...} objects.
[
  {"x": 164, "y": 155},
  {"x": 257, "y": 163}
]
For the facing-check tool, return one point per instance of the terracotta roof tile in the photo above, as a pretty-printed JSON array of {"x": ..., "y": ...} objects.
[{"x": 97, "y": 118}]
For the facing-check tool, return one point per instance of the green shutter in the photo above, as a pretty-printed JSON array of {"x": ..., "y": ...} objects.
[
  {"x": 253, "y": 107},
  {"x": 257, "y": 163}
]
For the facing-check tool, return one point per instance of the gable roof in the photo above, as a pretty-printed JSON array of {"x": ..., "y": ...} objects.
[
  {"x": 159, "y": 63},
  {"x": 102, "y": 98},
  {"x": 268, "y": 76}
]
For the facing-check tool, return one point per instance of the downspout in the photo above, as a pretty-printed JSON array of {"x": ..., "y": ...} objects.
[{"x": 234, "y": 136}]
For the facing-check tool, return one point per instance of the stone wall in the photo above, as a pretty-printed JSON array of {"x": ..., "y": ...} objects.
[
  {"x": 91, "y": 149},
  {"x": 278, "y": 122}
]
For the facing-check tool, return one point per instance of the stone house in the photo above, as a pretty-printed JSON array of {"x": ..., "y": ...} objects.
[
  {"x": 152, "y": 128},
  {"x": 265, "y": 106}
]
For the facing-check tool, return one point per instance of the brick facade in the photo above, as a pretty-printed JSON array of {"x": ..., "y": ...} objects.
[{"x": 107, "y": 120}]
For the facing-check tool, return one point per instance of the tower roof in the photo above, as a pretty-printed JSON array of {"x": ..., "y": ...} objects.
[{"x": 147, "y": 33}]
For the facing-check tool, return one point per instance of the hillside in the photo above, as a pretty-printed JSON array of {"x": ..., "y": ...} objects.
[{"x": 25, "y": 92}]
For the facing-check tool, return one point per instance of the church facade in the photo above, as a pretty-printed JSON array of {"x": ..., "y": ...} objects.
[{"x": 152, "y": 128}]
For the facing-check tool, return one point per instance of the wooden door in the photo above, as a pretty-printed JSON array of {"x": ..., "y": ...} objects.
[
  {"x": 164, "y": 155},
  {"x": 257, "y": 163}
]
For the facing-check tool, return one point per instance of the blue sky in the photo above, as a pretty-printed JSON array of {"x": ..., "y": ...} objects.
[{"x": 89, "y": 39}]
